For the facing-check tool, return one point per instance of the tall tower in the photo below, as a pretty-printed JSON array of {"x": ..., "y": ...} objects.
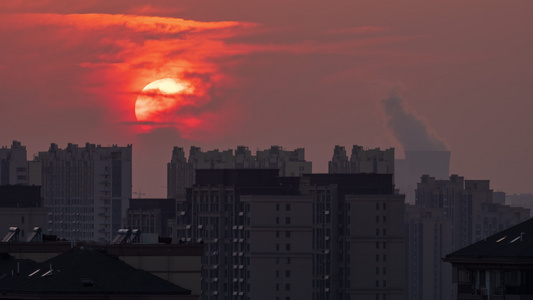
[
  {"x": 13, "y": 165},
  {"x": 86, "y": 190}
]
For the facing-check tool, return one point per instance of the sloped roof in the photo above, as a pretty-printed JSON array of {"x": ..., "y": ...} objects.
[
  {"x": 514, "y": 243},
  {"x": 87, "y": 272}
]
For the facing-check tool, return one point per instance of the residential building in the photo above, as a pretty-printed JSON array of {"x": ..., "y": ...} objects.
[
  {"x": 306, "y": 237},
  {"x": 86, "y": 190},
  {"x": 448, "y": 215},
  {"x": 181, "y": 171},
  {"x": 152, "y": 215},
  {"x": 13, "y": 164},
  {"x": 362, "y": 161},
  {"x": 497, "y": 267}
]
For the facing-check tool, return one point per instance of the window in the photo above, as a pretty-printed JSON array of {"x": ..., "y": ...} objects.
[
  {"x": 377, "y": 257},
  {"x": 287, "y": 220},
  {"x": 384, "y": 206},
  {"x": 377, "y": 231},
  {"x": 377, "y": 206},
  {"x": 377, "y": 219},
  {"x": 288, "y": 273},
  {"x": 384, "y": 245},
  {"x": 277, "y": 233},
  {"x": 377, "y": 283},
  {"x": 377, "y": 270},
  {"x": 277, "y": 260},
  {"x": 384, "y": 219},
  {"x": 287, "y": 207},
  {"x": 277, "y": 220},
  {"x": 384, "y": 270},
  {"x": 22, "y": 219},
  {"x": 377, "y": 245},
  {"x": 288, "y": 260},
  {"x": 287, "y": 286},
  {"x": 384, "y": 231},
  {"x": 287, "y": 233},
  {"x": 277, "y": 273},
  {"x": 277, "y": 286},
  {"x": 384, "y": 283},
  {"x": 277, "y": 206},
  {"x": 384, "y": 257},
  {"x": 277, "y": 247},
  {"x": 287, "y": 247}
]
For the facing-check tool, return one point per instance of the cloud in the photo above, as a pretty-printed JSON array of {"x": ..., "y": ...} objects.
[{"x": 412, "y": 132}]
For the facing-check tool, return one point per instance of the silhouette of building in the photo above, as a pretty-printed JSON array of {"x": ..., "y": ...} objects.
[
  {"x": 497, "y": 267},
  {"x": 520, "y": 200},
  {"x": 318, "y": 236},
  {"x": 13, "y": 164},
  {"x": 181, "y": 172},
  {"x": 86, "y": 190},
  {"x": 362, "y": 161},
  {"x": 448, "y": 215}
]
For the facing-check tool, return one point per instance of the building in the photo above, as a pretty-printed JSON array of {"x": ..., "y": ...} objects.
[
  {"x": 448, "y": 215},
  {"x": 181, "y": 172},
  {"x": 498, "y": 267},
  {"x": 152, "y": 215},
  {"x": 86, "y": 190},
  {"x": 305, "y": 237},
  {"x": 13, "y": 164},
  {"x": 520, "y": 200},
  {"x": 362, "y": 161}
]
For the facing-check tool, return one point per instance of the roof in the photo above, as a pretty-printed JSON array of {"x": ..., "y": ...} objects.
[
  {"x": 86, "y": 272},
  {"x": 514, "y": 243}
]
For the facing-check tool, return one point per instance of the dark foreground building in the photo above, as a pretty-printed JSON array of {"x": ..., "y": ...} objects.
[
  {"x": 496, "y": 268},
  {"x": 82, "y": 274},
  {"x": 317, "y": 236}
]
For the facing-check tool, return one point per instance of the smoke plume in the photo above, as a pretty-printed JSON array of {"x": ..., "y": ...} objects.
[{"x": 408, "y": 129}]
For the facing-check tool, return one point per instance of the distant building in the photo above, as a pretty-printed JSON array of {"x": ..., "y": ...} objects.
[
  {"x": 318, "y": 236},
  {"x": 520, "y": 200},
  {"x": 497, "y": 267},
  {"x": 181, "y": 172},
  {"x": 362, "y": 161},
  {"x": 86, "y": 190},
  {"x": 447, "y": 215},
  {"x": 13, "y": 164}
]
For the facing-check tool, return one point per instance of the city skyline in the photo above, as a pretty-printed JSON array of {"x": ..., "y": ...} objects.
[{"x": 297, "y": 75}]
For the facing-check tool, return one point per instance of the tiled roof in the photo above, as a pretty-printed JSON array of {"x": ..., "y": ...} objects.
[
  {"x": 513, "y": 243},
  {"x": 87, "y": 272}
]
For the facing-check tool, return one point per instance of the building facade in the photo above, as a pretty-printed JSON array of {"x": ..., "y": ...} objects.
[
  {"x": 311, "y": 237},
  {"x": 86, "y": 190},
  {"x": 448, "y": 215},
  {"x": 362, "y": 161},
  {"x": 13, "y": 164},
  {"x": 181, "y": 171}
]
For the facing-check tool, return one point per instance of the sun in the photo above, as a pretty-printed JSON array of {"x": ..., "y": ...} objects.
[{"x": 159, "y": 100}]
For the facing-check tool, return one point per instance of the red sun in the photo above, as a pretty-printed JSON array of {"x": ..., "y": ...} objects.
[{"x": 159, "y": 101}]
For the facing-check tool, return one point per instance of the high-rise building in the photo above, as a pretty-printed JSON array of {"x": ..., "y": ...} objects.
[
  {"x": 318, "y": 236},
  {"x": 86, "y": 190},
  {"x": 448, "y": 215},
  {"x": 362, "y": 161},
  {"x": 181, "y": 171},
  {"x": 13, "y": 164}
]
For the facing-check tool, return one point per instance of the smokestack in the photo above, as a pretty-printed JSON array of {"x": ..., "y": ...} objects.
[{"x": 408, "y": 129}]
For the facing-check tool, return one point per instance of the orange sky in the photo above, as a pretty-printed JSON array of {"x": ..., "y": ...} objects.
[{"x": 298, "y": 74}]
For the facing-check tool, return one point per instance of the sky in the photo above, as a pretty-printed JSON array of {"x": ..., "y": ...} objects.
[{"x": 411, "y": 74}]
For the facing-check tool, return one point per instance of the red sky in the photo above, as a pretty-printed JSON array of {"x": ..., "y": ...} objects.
[{"x": 292, "y": 73}]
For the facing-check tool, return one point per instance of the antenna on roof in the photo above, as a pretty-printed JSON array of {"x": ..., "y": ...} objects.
[{"x": 521, "y": 235}]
